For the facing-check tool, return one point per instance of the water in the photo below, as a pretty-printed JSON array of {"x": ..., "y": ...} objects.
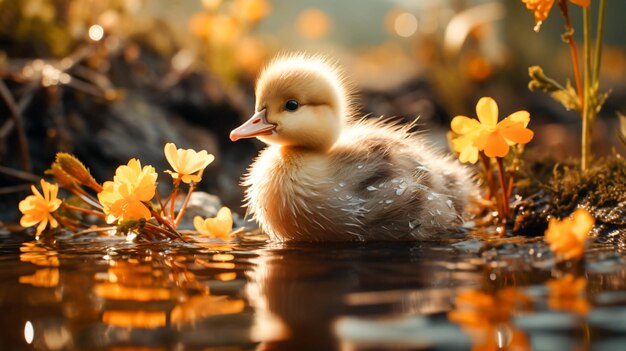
[{"x": 97, "y": 293}]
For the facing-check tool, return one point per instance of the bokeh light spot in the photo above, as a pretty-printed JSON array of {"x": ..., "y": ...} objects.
[
  {"x": 96, "y": 32},
  {"x": 29, "y": 332},
  {"x": 405, "y": 24},
  {"x": 313, "y": 23}
]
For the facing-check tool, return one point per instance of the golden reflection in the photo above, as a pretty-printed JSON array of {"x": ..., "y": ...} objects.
[
  {"x": 199, "y": 307},
  {"x": 313, "y": 23},
  {"x": 38, "y": 255},
  {"x": 226, "y": 276},
  {"x": 568, "y": 294},
  {"x": 45, "y": 278},
  {"x": 487, "y": 318},
  {"x": 223, "y": 257},
  {"x": 115, "y": 291},
  {"x": 134, "y": 319}
]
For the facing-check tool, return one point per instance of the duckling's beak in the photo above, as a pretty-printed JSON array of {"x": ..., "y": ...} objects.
[{"x": 257, "y": 125}]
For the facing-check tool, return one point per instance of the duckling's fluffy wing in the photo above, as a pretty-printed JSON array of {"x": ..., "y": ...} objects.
[{"x": 394, "y": 183}]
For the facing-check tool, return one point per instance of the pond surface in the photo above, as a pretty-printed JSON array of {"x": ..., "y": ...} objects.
[{"x": 98, "y": 292}]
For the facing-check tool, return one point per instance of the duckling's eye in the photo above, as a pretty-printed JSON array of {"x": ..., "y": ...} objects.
[{"x": 291, "y": 105}]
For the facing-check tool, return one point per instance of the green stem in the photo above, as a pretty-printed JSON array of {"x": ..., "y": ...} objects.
[
  {"x": 599, "y": 36},
  {"x": 586, "y": 128}
]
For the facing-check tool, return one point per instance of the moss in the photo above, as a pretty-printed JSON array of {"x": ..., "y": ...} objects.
[{"x": 556, "y": 190}]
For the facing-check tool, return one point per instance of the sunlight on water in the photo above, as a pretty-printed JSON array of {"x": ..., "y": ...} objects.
[
  {"x": 29, "y": 332},
  {"x": 104, "y": 292}
]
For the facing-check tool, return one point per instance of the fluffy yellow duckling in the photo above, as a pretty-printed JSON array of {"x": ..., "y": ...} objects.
[{"x": 326, "y": 176}]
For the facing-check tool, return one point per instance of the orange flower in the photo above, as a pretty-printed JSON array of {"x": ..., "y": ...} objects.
[
  {"x": 541, "y": 9},
  {"x": 187, "y": 164},
  {"x": 38, "y": 208},
  {"x": 218, "y": 227},
  {"x": 124, "y": 197},
  {"x": 567, "y": 237},
  {"x": 568, "y": 294},
  {"x": 487, "y": 134}
]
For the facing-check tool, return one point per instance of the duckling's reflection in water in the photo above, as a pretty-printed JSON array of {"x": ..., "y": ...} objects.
[
  {"x": 298, "y": 292},
  {"x": 296, "y": 299}
]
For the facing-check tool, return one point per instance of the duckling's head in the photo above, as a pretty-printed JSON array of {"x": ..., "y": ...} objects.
[{"x": 301, "y": 101}]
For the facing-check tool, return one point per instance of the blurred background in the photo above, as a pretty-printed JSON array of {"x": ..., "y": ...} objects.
[{"x": 109, "y": 80}]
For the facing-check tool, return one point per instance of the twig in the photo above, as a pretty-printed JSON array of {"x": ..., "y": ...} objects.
[
  {"x": 166, "y": 223},
  {"x": 29, "y": 177},
  {"x": 92, "y": 230},
  {"x": 19, "y": 126},
  {"x": 173, "y": 235},
  {"x": 83, "y": 210},
  {"x": 14, "y": 189}
]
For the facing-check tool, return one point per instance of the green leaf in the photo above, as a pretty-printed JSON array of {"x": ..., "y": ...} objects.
[
  {"x": 567, "y": 97},
  {"x": 622, "y": 127}
]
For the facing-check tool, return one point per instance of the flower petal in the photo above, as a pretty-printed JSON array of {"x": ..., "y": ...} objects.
[
  {"x": 469, "y": 154},
  {"x": 198, "y": 223},
  {"x": 487, "y": 111},
  {"x": 496, "y": 146},
  {"x": 517, "y": 134},
  {"x": 463, "y": 125},
  {"x": 171, "y": 155},
  {"x": 582, "y": 222},
  {"x": 517, "y": 117}
]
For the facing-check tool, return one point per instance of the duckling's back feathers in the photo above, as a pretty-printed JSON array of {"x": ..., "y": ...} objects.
[{"x": 379, "y": 182}]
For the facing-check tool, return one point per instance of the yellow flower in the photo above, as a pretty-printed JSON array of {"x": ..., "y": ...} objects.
[
  {"x": 187, "y": 164},
  {"x": 541, "y": 9},
  {"x": 568, "y": 294},
  {"x": 218, "y": 227},
  {"x": 567, "y": 237},
  {"x": 487, "y": 134},
  {"x": 468, "y": 130},
  {"x": 38, "y": 208},
  {"x": 124, "y": 197}
]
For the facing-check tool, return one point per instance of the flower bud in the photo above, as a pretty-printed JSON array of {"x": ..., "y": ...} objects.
[{"x": 73, "y": 167}]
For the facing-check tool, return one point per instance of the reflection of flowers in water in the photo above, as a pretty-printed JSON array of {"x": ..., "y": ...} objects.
[
  {"x": 40, "y": 256},
  {"x": 37, "y": 255},
  {"x": 486, "y": 318},
  {"x": 45, "y": 278},
  {"x": 162, "y": 291},
  {"x": 200, "y": 307},
  {"x": 568, "y": 294}
]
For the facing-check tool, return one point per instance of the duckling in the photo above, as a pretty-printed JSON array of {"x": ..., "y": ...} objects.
[{"x": 328, "y": 176}]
